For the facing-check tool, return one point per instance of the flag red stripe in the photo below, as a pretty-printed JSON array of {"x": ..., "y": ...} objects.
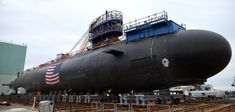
[
  {"x": 50, "y": 70},
  {"x": 51, "y": 83},
  {"x": 51, "y": 76},
  {"x": 53, "y": 79}
]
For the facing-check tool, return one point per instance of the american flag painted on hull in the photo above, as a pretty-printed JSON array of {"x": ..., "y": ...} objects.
[{"x": 52, "y": 74}]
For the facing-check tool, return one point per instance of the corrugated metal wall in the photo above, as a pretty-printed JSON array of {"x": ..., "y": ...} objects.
[
  {"x": 12, "y": 61},
  {"x": 12, "y": 58}
]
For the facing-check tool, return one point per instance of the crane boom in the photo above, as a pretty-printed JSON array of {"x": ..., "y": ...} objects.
[{"x": 83, "y": 39}]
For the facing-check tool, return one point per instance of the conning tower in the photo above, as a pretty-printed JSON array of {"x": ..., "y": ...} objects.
[{"x": 106, "y": 28}]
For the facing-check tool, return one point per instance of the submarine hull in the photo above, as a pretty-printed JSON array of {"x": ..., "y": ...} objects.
[{"x": 186, "y": 57}]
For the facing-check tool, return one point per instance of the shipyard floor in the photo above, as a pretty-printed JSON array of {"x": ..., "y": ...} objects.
[
  {"x": 14, "y": 107},
  {"x": 192, "y": 107},
  {"x": 25, "y": 104}
]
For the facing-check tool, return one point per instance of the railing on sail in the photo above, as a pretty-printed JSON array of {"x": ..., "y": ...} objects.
[{"x": 106, "y": 17}]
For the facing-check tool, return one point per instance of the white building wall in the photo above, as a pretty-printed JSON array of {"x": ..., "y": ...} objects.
[{"x": 5, "y": 79}]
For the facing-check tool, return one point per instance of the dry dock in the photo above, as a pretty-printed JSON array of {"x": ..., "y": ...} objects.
[
  {"x": 117, "y": 107},
  {"x": 65, "y": 104}
]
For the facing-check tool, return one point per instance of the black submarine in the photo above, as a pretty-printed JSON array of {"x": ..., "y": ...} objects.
[{"x": 157, "y": 53}]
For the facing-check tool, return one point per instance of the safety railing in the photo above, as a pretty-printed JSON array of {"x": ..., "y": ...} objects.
[
  {"x": 70, "y": 55},
  {"x": 109, "y": 15},
  {"x": 152, "y": 19},
  {"x": 59, "y": 59},
  {"x": 114, "y": 27}
]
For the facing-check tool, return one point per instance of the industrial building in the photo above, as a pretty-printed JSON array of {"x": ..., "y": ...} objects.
[{"x": 12, "y": 61}]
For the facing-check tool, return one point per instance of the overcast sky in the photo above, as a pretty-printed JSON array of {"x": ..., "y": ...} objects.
[{"x": 49, "y": 27}]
